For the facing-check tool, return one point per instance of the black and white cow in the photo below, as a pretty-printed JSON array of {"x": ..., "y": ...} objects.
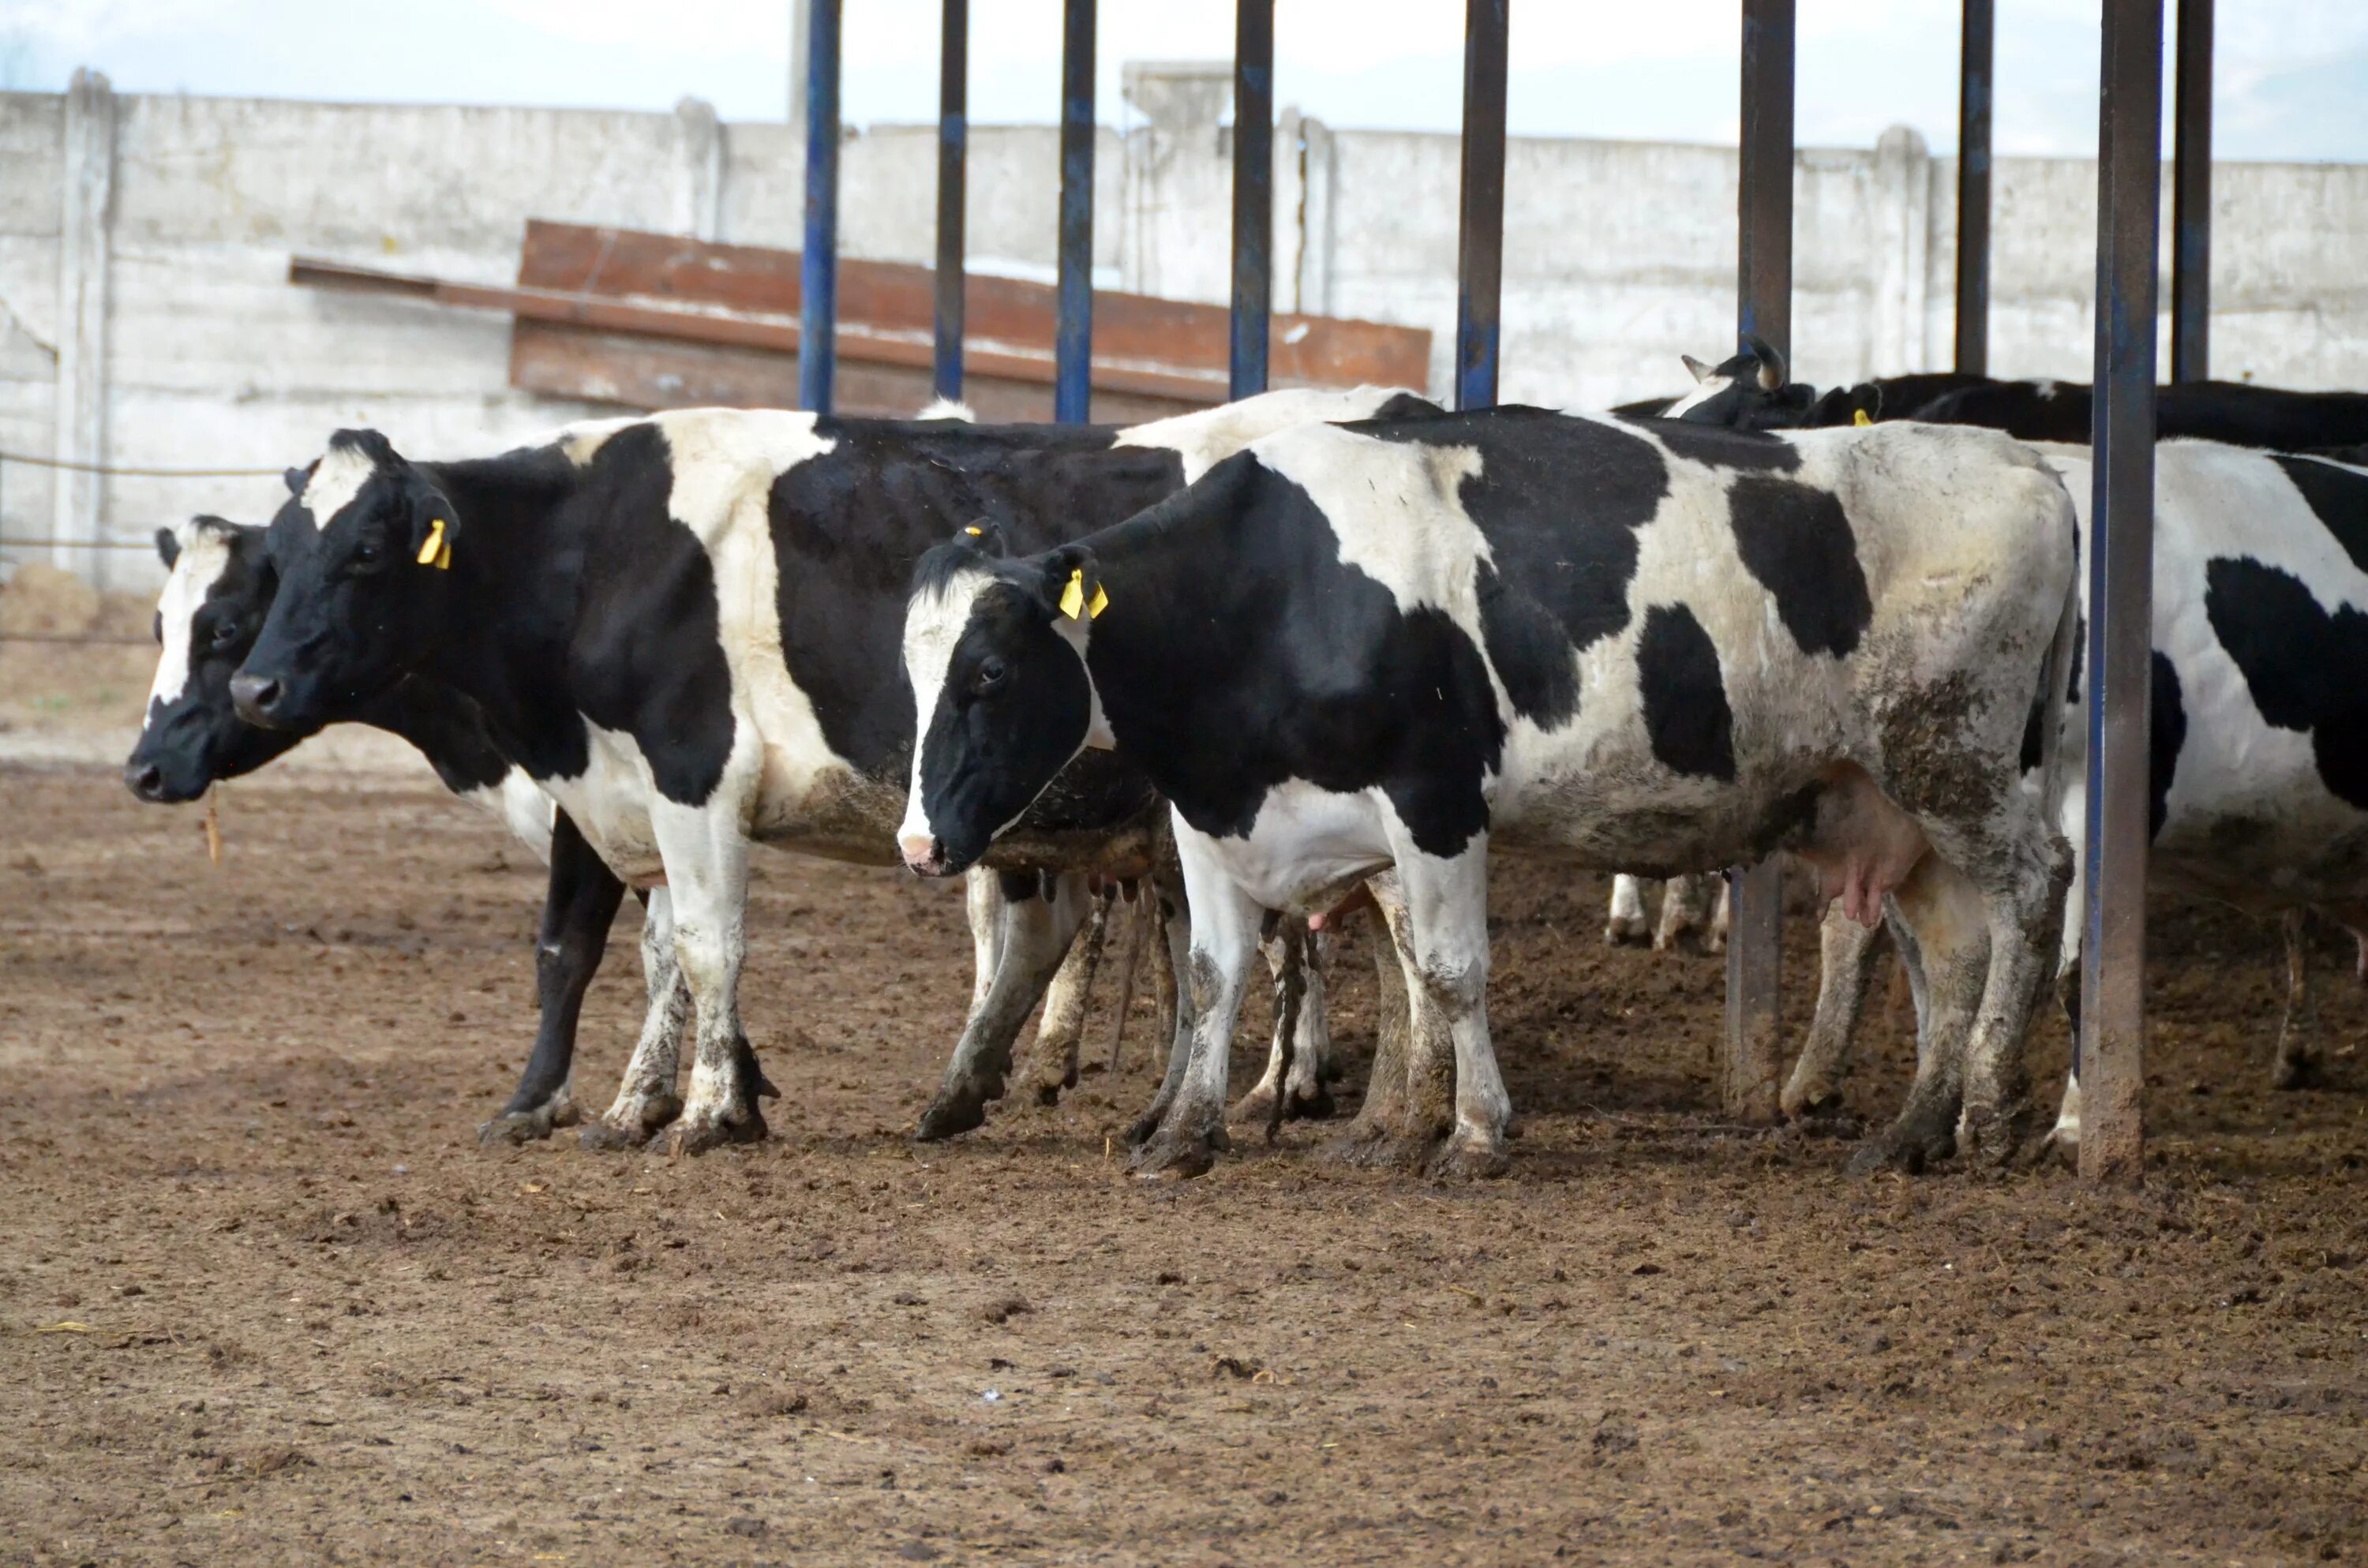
[
  {"x": 2273, "y": 418},
  {"x": 218, "y": 589},
  {"x": 684, "y": 627},
  {"x": 2259, "y": 773},
  {"x": 1666, "y": 646}
]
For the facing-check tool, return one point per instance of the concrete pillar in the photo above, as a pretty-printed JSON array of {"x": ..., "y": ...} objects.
[
  {"x": 1289, "y": 198},
  {"x": 80, "y": 401},
  {"x": 1319, "y": 183},
  {"x": 698, "y": 170},
  {"x": 1174, "y": 241},
  {"x": 1902, "y": 232}
]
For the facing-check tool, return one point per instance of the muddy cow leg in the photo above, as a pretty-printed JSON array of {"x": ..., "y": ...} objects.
[
  {"x": 1037, "y": 930},
  {"x": 1383, "y": 1109},
  {"x": 1626, "y": 922},
  {"x": 579, "y": 905},
  {"x": 1226, "y": 926},
  {"x": 1949, "y": 944},
  {"x": 1172, "y": 945},
  {"x": 1849, "y": 955},
  {"x": 1403, "y": 1130},
  {"x": 2298, "y": 1058},
  {"x": 1053, "y": 1064},
  {"x": 707, "y": 876},
  {"x": 1298, "y": 1065},
  {"x": 1685, "y": 908},
  {"x": 645, "y": 1099},
  {"x": 1447, "y": 908}
]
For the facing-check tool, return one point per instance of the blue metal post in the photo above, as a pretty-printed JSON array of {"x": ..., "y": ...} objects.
[
  {"x": 1480, "y": 259},
  {"x": 818, "y": 306},
  {"x": 953, "y": 146},
  {"x": 1974, "y": 75},
  {"x": 2121, "y": 595},
  {"x": 2191, "y": 205},
  {"x": 1073, "y": 341},
  {"x": 1253, "y": 194}
]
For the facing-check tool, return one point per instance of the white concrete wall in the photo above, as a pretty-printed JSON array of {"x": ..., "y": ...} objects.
[{"x": 1618, "y": 256}]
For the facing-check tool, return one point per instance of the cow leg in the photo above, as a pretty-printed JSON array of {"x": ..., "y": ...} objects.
[
  {"x": 1225, "y": 923},
  {"x": 1052, "y": 1065},
  {"x": 1295, "y": 1062},
  {"x": 1447, "y": 907},
  {"x": 1848, "y": 954},
  {"x": 1685, "y": 907},
  {"x": 1625, "y": 924},
  {"x": 2022, "y": 900},
  {"x": 1313, "y": 1065},
  {"x": 1949, "y": 945},
  {"x": 2298, "y": 1064},
  {"x": 707, "y": 877},
  {"x": 578, "y": 907},
  {"x": 983, "y": 906},
  {"x": 1409, "y": 1105},
  {"x": 645, "y": 1099},
  {"x": 1175, "y": 960},
  {"x": 1383, "y": 1109},
  {"x": 1036, "y": 935},
  {"x": 1721, "y": 914}
]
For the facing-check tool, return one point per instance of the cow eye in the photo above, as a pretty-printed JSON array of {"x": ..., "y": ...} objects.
[
  {"x": 990, "y": 673},
  {"x": 367, "y": 553},
  {"x": 225, "y": 634}
]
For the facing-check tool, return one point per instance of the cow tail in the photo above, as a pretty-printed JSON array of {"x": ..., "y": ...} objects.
[{"x": 2055, "y": 672}]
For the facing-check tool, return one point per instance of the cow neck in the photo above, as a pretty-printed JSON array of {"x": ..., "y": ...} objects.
[
  {"x": 504, "y": 641},
  {"x": 446, "y": 727}
]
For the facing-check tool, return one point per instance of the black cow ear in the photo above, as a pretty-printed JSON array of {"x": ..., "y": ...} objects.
[
  {"x": 168, "y": 547},
  {"x": 435, "y": 529},
  {"x": 986, "y": 536},
  {"x": 296, "y": 478},
  {"x": 1071, "y": 585},
  {"x": 1772, "y": 374},
  {"x": 1695, "y": 367}
]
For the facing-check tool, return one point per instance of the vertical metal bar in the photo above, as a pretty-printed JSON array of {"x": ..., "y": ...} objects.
[
  {"x": 953, "y": 147},
  {"x": 1975, "y": 77},
  {"x": 1253, "y": 193},
  {"x": 1073, "y": 338},
  {"x": 818, "y": 306},
  {"x": 1764, "y": 276},
  {"x": 2121, "y": 594},
  {"x": 1480, "y": 234},
  {"x": 2191, "y": 209}
]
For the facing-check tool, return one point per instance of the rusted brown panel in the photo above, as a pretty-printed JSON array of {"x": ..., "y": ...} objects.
[
  {"x": 559, "y": 360},
  {"x": 1159, "y": 336}
]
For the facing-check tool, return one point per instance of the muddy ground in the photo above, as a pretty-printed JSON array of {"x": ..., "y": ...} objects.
[{"x": 264, "y": 1299}]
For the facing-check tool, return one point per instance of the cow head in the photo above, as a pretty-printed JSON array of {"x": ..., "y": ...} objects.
[
  {"x": 364, "y": 550},
  {"x": 994, "y": 651},
  {"x": 1749, "y": 391},
  {"x": 218, "y": 589}
]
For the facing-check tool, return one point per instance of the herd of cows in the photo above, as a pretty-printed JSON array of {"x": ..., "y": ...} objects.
[{"x": 1261, "y": 665}]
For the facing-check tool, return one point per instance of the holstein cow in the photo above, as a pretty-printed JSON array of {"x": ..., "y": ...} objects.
[
  {"x": 684, "y": 627},
  {"x": 1660, "y": 645},
  {"x": 2258, "y": 779},
  {"x": 2235, "y": 412},
  {"x": 218, "y": 588}
]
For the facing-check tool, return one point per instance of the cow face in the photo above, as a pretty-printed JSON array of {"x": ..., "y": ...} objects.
[
  {"x": 1734, "y": 392},
  {"x": 216, "y": 594},
  {"x": 364, "y": 550},
  {"x": 995, "y": 655}
]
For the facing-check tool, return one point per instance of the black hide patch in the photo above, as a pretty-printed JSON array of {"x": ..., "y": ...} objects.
[
  {"x": 1686, "y": 714},
  {"x": 647, "y": 656},
  {"x": 2166, "y": 734},
  {"x": 2339, "y": 498},
  {"x": 1721, "y": 446},
  {"x": 1797, "y": 542},
  {"x": 1559, "y": 501},
  {"x": 848, "y": 526},
  {"x": 2301, "y": 663}
]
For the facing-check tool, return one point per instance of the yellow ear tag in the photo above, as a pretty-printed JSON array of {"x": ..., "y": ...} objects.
[
  {"x": 1073, "y": 597},
  {"x": 975, "y": 532},
  {"x": 436, "y": 552},
  {"x": 1860, "y": 418},
  {"x": 1101, "y": 601}
]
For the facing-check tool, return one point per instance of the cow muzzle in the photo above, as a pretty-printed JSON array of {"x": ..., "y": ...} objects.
[
  {"x": 257, "y": 699},
  {"x": 924, "y": 855}
]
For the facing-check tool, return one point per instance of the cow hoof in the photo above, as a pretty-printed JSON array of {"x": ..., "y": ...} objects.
[
  {"x": 1626, "y": 933},
  {"x": 1139, "y": 1131},
  {"x": 1908, "y": 1149},
  {"x": 1995, "y": 1140},
  {"x": 1048, "y": 1094},
  {"x": 1314, "y": 1105},
  {"x": 633, "y": 1127},
  {"x": 1255, "y": 1107},
  {"x": 948, "y": 1115},
  {"x": 532, "y": 1125},
  {"x": 2295, "y": 1072},
  {"x": 1170, "y": 1153},
  {"x": 1470, "y": 1156},
  {"x": 703, "y": 1131}
]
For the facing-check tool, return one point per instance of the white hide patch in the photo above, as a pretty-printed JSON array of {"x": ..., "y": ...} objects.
[
  {"x": 204, "y": 556},
  {"x": 1208, "y": 436},
  {"x": 1396, "y": 510},
  {"x": 337, "y": 479},
  {"x": 951, "y": 408},
  {"x": 582, "y": 441},
  {"x": 933, "y": 624},
  {"x": 1705, "y": 390}
]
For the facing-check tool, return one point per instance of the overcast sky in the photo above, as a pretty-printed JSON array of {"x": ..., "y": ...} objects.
[{"x": 2293, "y": 75}]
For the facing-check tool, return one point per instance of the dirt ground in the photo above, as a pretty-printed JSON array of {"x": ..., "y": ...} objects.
[{"x": 263, "y": 1298}]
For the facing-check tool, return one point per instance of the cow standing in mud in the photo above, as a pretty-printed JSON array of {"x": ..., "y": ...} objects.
[{"x": 1667, "y": 647}]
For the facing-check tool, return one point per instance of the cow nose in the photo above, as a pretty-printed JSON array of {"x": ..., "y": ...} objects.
[
  {"x": 254, "y": 697},
  {"x": 921, "y": 854},
  {"x": 144, "y": 779}
]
